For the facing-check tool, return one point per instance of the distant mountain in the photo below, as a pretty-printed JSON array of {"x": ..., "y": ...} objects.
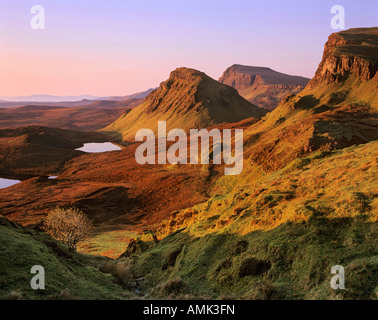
[
  {"x": 188, "y": 99},
  {"x": 139, "y": 95},
  {"x": 262, "y": 86},
  {"x": 70, "y": 101},
  {"x": 48, "y": 98}
]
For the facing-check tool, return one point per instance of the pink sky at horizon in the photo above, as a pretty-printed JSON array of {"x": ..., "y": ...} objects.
[{"x": 115, "y": 48}]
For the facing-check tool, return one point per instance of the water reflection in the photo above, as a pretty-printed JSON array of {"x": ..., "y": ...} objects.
[
  {"x": 94, "y": 147},
  {"x": 5, "y": 183}
]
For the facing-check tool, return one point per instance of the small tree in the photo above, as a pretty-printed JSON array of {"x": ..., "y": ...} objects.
[{"x": 69, "y": 226}]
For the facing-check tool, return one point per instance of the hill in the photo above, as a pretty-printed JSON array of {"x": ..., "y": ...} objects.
[
  {"x": 189, "y": 99},
  {"x": 69, "y": 275},
  {"x": 261, "y": 86}
]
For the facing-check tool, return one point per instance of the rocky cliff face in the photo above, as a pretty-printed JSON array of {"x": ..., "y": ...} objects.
[
  {"x": 352, "y": 51},
  {"x": 261, "y": 86},
  {"x": 337, "y": 109}
]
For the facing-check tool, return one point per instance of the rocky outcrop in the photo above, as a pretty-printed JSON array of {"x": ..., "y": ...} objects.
[
  {"x": 354, "y": 51},
  {"x": 337, "y": 109}
]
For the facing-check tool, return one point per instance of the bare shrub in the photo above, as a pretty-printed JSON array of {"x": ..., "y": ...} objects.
[{"x": 70, "y": 226}]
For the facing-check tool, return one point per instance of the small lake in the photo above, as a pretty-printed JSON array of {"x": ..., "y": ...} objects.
[
  {"x": 5, "y": 183},
  {"x": 94, "y": 147}
]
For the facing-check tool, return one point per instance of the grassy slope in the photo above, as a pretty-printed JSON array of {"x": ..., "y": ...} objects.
[
  {"x": 326, "y": 117},
  {"x": 352, "y": 91},
  {"x": 303, "y": 220},
  {"x": 297, "y": 109},
  {"x": 337, "y": 184},
  {"x": 299, "y": 258},
  {"x": 68, "y": 275}
]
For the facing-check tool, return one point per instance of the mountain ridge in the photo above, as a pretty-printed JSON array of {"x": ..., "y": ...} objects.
[{"x": 188, "y": 99}]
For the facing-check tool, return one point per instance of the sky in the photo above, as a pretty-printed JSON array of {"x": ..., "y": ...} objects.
[{"x": 120, "y": 47}]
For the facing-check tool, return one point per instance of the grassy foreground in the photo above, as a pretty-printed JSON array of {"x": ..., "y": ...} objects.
[
  {"x": 265, "y": 236},
  {"x": 68, "y": 275},
  {"x": 292, "y": 261},
  {"x": 269, "y": 236}
]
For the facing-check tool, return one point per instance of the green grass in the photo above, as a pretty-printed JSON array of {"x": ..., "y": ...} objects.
[
  {"x": 317, "y": 212},
  {"x": 298, "y": 258},
  {"x": 263, "y": 236},
  {"x": 68, "y": 275},
  {"x": 107, "y": 243},
  {"x": 340, "y": 183}
]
